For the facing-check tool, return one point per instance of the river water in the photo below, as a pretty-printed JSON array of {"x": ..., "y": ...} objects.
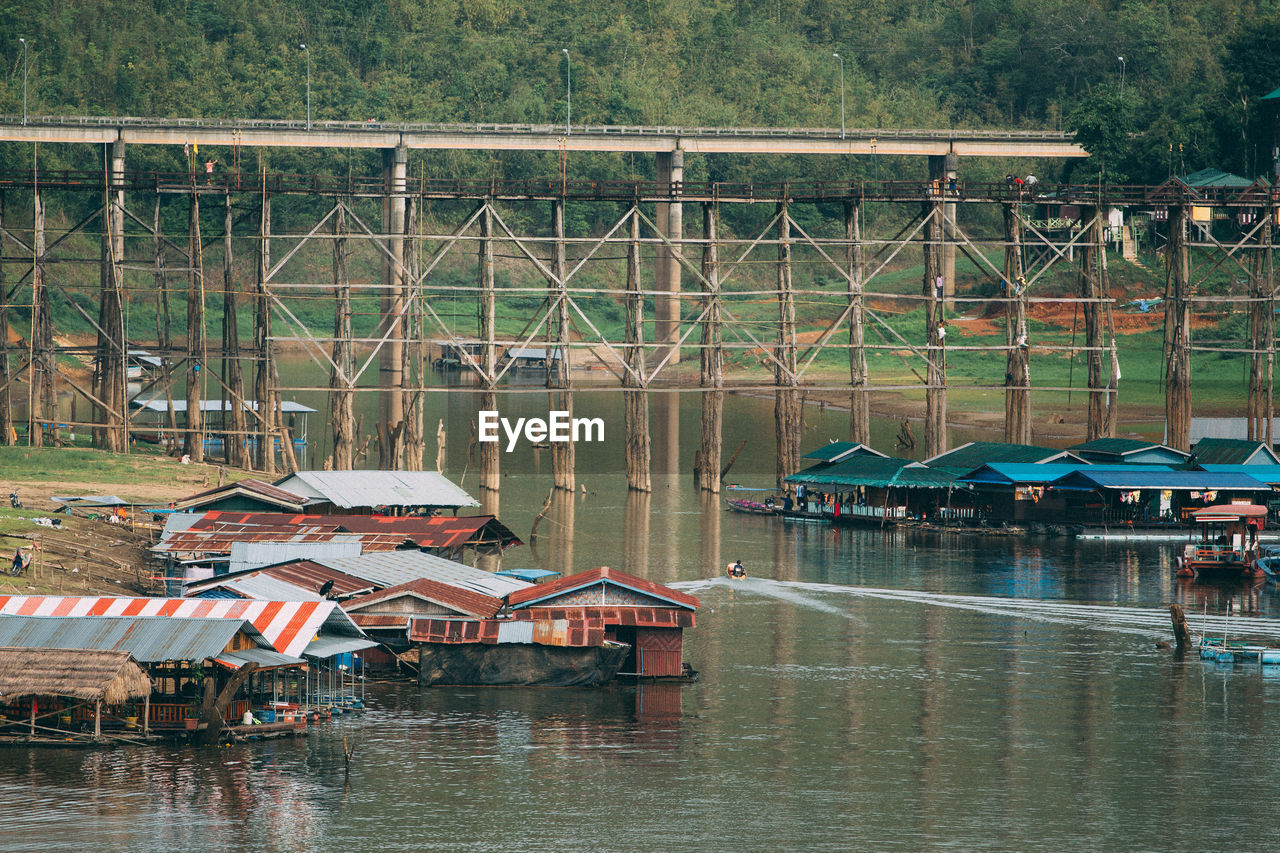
[{"x": 861, "y": 690}]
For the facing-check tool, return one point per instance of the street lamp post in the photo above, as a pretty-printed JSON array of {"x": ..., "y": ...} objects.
[
  {"x": 568, "y": 91},
  {"x": 307, "y": 51},
  {"x": 838, "y": 56},
  {"x": 24, "y": 81},
  {"x": 1121, "y": 58}
]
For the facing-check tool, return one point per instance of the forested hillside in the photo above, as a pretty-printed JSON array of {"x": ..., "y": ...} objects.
[{"x": 1184, "y": 96}]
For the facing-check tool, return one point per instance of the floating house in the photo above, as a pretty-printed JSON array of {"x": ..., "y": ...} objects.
[
  {"x": 974, "y": 454},
  {"x": 1136, "y": 494},
  {"x": 1128, "y": 451},
  {"x": 150, "y": 420},
  {"x": 1232, "y": 451},
  {"x": 244, "y": 496},
  {"x": 38, "y": 686},
  {"x": 177, "y": 642},
  {"x": 868, "y": 487},
  {"x": 649, "y": 617}
]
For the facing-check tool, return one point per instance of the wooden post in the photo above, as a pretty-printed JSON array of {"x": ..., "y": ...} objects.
[
  {"x": 636, "y": 532},
  {"x": 197, "y": 346},
  {"x": 41, "y": 411},
  {"x": 711, "y": 357},
  {"x": 341, "y": 390},
  {"x": 391, "y": 448},
  {"x": 1017, "y": 378},
  {"x": 635, "y": 398},
  {"x": 97, "y": 718},
  {"x": 7, "y": 433},
  {"x": 233, "y": 442},
  {"x": 1181, "y": 633},
  {"x": 263, "y": 388},
  {"x": 935, "y": 419},
  {"x": 859, "y": 376},
  {"x": 1261, "y": 337},
  {"x": 164, "y": 340},
  {"x": 1092, "y": 287},
  {"x": 670, "y": 221},
  {"x": 490, "y": 451},
  {"x": 146, "y": 715},
  {"x": 1177, "y": 333},
  {"x": 109, "y": 365},
  {"x": 413, "y": 354},
  {"x": 562, "y": 455},
  {"x": 786, "y": 405}
]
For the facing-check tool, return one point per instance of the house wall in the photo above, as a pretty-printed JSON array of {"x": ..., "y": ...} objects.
[{"x": 660, "y": 651}]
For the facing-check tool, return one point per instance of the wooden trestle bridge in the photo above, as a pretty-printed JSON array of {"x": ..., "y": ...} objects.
[{"x": 681, "y": 286}]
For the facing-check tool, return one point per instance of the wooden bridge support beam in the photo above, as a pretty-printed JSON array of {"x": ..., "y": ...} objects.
[
  {"x": 490, "y": 451},
  {"x": 636, "y": 400},
  {"x": 341, "y": 389},
  {"x": 233, "y": 442},
  {"x": 1094, "y": 289},
  {"x": 1262, "y": 337},
  {"x": 711, "y": 361},
  {"x": 197, "y": 345},
  {"x": 395, "y": 163},
  {"x": 42, "y": 402},
  {"x": 935, "y": 418},
  {"x": 1177, "y": 333},
  {"x": 413, "y": 354},
  {"x": 943, "y": 172},
  {"x": 787, "y": 414},
  {"x": 7, "y": 432},
  {"x": 265, "y": 382},
  {"x": 859, "y": 378},
  {"x": 109, "y": 365},
  {"x": 164, "y": 340},
  {"x": 562, "y": 455},
  {"x": 670, "y": 221},
  {"x": 1017, "y": 376}
]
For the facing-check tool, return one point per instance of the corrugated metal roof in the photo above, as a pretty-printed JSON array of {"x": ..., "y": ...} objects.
[
  {"x": 1215, "y": 178},
  {"x": 265, "y": 587},
  {"x": 251, "y": 488},
  {"x": 1232, "y": 451},
  {"x": 391, "y": 568},
  {"x": 1005, "y": 473},
  {"x": 977, "y": 453},
  {"x": 303, "y": 573},
  {"x": 541, "y": 593},
  {"x": 287, "y": 626},
  {"x": 328, "y": 645},
  {"x": 264, "y": 658},
  {"x": 1087, "y": 479},
  {"x": 876, "y": 472},
  {"x": 1269, "y": 474},
  {"x": 148, "y": 638},
  {"x": 351, "y": 489},
  {"x": 452, "y": 596},
  {"x": 836, "y": 450},
  {"x": 255, "y": 555}
]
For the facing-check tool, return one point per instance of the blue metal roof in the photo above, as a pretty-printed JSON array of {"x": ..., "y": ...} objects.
[
  {"x": 1269, "y": 474},
  {"x": 1088, "y": 479},
  {"x": 1008, "y": 473},
  {"x": 530, "y": 575}
]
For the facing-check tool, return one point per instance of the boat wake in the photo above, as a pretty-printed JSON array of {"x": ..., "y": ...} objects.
[{"x": 1143, "y": 621}]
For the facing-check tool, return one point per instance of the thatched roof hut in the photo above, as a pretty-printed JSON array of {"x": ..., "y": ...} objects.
[{"x": 85, "y": 674}]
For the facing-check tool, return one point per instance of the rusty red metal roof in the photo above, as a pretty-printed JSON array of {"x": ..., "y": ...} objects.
[
  {"x": 456, "y": 598},
  {"x": 375, "y": 532},
  {"x": 398, "y": 621},
  {"x": 546, "y": 593},
  {"x": 641, "y": 617}
]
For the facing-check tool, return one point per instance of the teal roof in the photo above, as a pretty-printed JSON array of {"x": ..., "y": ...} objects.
[
  {"x": 1232, "y": 451},
  {"x": 973, "y": 455},
  {"x": 1215, "y": 178},
  {"x": 1272, "y": 95},
  {"x": 838, "y": 450},
  {"x": 876, "y": 472},
  {"x": 1269, "y": 474}
]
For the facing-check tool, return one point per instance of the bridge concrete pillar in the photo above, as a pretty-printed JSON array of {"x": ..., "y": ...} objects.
[
  {"x": 395, "y": 162},
  {"x": 942, "y": 177},
  {"x": 670, "y": 215}
]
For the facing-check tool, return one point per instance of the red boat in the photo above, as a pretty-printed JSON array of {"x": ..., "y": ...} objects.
[{"x": 1227, "y": 542}]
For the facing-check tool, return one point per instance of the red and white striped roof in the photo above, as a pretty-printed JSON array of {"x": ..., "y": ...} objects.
[{"x": 287, "y": 626}]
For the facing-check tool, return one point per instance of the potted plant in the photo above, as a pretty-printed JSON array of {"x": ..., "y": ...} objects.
[{"x": 191, "y": 718}]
